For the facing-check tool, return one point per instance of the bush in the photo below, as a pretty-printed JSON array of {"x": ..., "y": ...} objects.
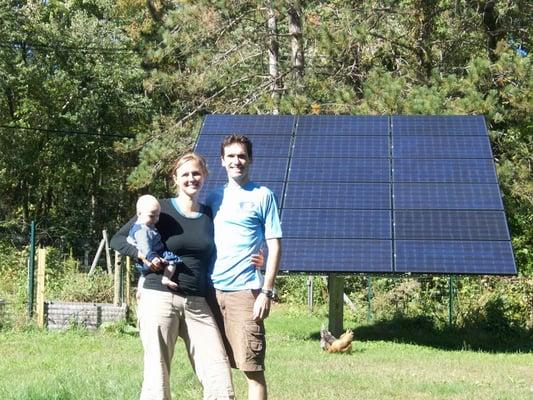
[{"x": 496, "y": 304}]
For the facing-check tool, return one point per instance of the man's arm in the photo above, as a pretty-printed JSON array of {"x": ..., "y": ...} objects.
[{"x": 262, "y": 303}]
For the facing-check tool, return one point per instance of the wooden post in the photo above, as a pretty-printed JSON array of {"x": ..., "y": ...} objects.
[
  {"x": 336, "y": 304},
  {"x": 41, "y": 270},
  {"x": 128, "y": 277},
  {"x": 116, "y": 294},
  {"x": 97, "y": 256},
  {"x": 107, "y": 252}
]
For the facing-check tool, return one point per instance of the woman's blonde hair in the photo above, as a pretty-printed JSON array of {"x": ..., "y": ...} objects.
[{"x": 191, "y": 157}]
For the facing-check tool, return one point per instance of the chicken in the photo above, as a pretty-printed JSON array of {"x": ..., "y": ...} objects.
[{"x": 329, "y": 343}]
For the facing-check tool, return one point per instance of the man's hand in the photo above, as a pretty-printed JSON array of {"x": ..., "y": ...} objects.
[{"x": 261, "y": 307}]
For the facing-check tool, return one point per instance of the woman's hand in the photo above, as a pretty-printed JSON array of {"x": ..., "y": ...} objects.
[{"x": 258, "y": 259}]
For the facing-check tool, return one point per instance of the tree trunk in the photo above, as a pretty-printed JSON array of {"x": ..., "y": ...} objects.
[
  {"x": 273, "y": 58},
  {"x": 425, "y": 17},
  {"x": 492, "y": 29},
  {"x": 297, "y": 49}
]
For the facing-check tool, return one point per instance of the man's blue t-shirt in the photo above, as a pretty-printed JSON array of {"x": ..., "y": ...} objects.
[{"x": 244, "y": 217}]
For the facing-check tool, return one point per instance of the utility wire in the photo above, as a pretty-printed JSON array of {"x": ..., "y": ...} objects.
[
  {"x": 65, "y": 132},
  {"x": 13, "y": 45}
]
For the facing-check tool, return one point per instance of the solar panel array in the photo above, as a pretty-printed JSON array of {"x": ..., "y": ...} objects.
[{"x": 376, "y": 193}]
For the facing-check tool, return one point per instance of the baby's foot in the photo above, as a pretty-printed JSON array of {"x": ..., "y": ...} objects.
[{"x": 170, "y": 284}]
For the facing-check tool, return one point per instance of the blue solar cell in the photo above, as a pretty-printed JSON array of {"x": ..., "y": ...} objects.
[
  {"x": 447, "y": 196},
  {"x": 345, "y": 170},
  {"x": 263, "y": 145},
  {"x": 276, "y": 187},
  {"x": 341, "y": 146},
  {"x": 467, "y": 125},
  {"x": 338, "y": 195},
  {"x": 248, "y": 124},
  {"x": 340, "y": 125},
  {"x": 441, "y": 147},
  {"x": 263, "y": 169},
  {"x": 336, "y": 224},
  {"x": 450, "y": 225},
  {"x": 340, "y": 255},
  {"x": 454, "y": 257},
  {"x": 444, "y": 171}
]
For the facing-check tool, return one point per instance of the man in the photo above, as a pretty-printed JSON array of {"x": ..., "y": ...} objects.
[{"x": 245, "y": 216}]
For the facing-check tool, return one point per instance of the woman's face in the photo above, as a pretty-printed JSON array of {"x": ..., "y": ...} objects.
[{"x": 190, "y": 178}]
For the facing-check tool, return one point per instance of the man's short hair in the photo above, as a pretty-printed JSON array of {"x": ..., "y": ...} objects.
[{"x": 234, "y": 138}]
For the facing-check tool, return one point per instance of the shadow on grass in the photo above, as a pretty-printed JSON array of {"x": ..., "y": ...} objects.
[{"x": 422, "y": 331}]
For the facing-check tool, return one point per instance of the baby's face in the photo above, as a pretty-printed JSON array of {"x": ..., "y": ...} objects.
[{"x": 149, "y": 214}]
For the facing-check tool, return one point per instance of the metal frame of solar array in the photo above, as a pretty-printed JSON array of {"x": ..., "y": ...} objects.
[{"x": 376, "y": 194}]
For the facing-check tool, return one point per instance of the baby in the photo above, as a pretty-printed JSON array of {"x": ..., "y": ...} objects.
[{"x": 152, "y": 251}]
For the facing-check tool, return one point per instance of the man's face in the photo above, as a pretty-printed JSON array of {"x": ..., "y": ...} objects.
[{"x": 237, "y": 163}]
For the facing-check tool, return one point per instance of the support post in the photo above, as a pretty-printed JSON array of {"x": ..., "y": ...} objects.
[
  {"x": 336, "y": 303},
  {"x": 31, "y": 269},
  {"x": 107, "y": 252},
  {"x": 370, "y": 294},
  {"x": 310, "y": 293},
  {"x": 116, "y": 280},
  {"x": 97, "y": 256},
  {"x": 450, "y": 299},
  {"x": 41, "y": 273}
]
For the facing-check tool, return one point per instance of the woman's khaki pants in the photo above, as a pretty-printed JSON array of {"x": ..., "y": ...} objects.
[{"x": 163, "y": 316}]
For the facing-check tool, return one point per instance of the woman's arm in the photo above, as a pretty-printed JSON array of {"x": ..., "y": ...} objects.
[{"x": 120, "y": 243}]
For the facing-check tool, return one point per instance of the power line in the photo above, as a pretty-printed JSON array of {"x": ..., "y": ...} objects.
[
  {"x": 12, "y": 45},
  {"x": 66, "y": 132}
]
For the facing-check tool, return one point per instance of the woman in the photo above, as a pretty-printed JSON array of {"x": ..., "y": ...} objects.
[{"x": 164, "y": 314}]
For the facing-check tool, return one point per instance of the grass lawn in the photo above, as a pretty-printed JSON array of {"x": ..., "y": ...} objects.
[{"x": 80, "y": 365}]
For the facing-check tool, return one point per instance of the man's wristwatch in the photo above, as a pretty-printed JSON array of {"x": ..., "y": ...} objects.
[{"x": 268, "y": 293}]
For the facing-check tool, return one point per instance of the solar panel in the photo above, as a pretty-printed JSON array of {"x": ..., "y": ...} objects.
[
  {"x": 336, "y": 224},
  {"x": 341, "y": 146},
  {"x": 263, "y": 169},
  {"x": 444, "y": 171},
  {"x": 276, "y": 187},
  {"x": 338, "y": 195},
  {"x": 450, "y": 225},
  {"x": 263, "y": 145},
  {"x": 339, "y": 255},
  {"x": 454, "y": 257},
  {"x": 467, "y": 125},
  {"x": 347, "y": 170},
  {"x": 441, "y": 147},
  {"x": 376, "y": 194},
  {"x": 447, "y": 196},
  {"x": 340, "y": 125},
  {"x": 222, "y": 124}
]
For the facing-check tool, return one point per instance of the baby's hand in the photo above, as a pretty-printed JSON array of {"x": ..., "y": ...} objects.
[{"x": 258, "y": 260}]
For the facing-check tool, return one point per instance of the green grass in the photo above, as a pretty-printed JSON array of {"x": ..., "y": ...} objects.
[{"x": 80, "y": 365}]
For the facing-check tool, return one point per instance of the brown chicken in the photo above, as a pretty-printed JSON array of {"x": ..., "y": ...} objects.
[{"x": 331, "y": 344}]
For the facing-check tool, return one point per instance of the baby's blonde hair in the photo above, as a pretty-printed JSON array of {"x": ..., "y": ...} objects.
[{"x": 145, "y": 201}]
